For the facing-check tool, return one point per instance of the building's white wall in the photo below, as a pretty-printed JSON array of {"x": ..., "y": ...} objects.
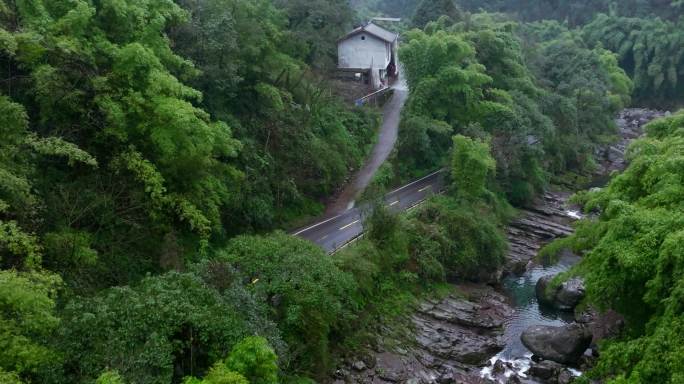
[{"x": 356, "y": 52}]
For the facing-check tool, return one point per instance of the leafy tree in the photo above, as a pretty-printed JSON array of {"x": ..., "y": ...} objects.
[
  {"x": 306, "y": 291},
  {"x": 513, "y": 118},
  {"x": 431, "y": 10},
  {"x": 254, "y": 359},
  {"x": 471, "y": 79},
  {"x": 382, "y": 225},
  {"x": 251, "y": 360},
  {"x": 445, "y": 83},
  {"x": 27, "y": 319},
  {"x": 317, "y": 25},
  {"x": 162, "y": 329},
  {"x": 422, "y": 144},
  {"x": 109, "y": 377},
  {"x": 220, "y": 374},
  {"x": 464, "y": 237},
  {"x": 9, "y": 377},
  {"x": 527, "y": 89},
  {"x": 472, "y": 164},
  {"x": 19, "y": 205},
  {"x": 649, "y": 51},
  {"x": 586, "y": 89},
  {"x": 393, "y": 8}
]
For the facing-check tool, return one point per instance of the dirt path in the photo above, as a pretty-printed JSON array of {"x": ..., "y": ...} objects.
[{"x": 386, "y": 140}]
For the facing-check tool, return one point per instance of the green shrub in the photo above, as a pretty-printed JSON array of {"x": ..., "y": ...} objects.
[
  {"x": 465, "y": 238},
  {"x": 308, "y": 294},
  {"x": 27, "y": 321},
  {"x": 164, "y": 328},
  {"x": 254, "y": 359},
  {"x": 471, "y": 166},
  {"x": 109, "y": 377},
  {"x": 9, "y": 378},
  {"x": 220, "y": 374}
]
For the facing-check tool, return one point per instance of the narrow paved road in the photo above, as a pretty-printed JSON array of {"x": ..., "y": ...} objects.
[
  {"x": 336, "y": 232},
  {"x": 387, "y": 138}
]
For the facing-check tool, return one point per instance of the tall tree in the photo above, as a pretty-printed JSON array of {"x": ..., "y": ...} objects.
[
  {"x": 300, "y": 142},
  {"x": 317, "y": 25},
  {"x": 149, "y": 172},
  {"x": 650, "y": 50},
  {"x": 431, "y": 10}
]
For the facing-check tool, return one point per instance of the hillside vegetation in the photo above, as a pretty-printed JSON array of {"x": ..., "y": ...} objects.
[
  {"x": 154, "y": 152},
  {"x": 544, "y": 107},
  {"x": 634, "y": 258}
]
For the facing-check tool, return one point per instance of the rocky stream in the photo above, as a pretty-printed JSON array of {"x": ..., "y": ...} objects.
[{"x": 513, "y": 330}]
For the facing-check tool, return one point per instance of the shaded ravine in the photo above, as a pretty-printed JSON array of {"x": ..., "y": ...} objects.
[
  {"x": 387, "y": 137},
  {"x": 550, "y": 218},
  {"x": 452, "y": 339},
  {"x": 473, "y": 336},
  {"x": 513, "y": 361}
]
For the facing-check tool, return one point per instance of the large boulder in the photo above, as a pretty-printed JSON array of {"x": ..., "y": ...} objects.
[
  {"x": 545, "y": 370},
  {"x": 563, "y": 345},
  {"x": 565, "y": 296}
]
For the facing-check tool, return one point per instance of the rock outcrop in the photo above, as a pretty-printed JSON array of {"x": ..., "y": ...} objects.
[
  {"x": 565, "y": 296},
  {"x": 630, "y": 123},
  {"x": 545, "y": 370},
  {"x": 450, "y": 339},
  {"x": 459, "y": 330},
  {"x": 546, "y": 220},
  {"x": 563, "y": 345}
]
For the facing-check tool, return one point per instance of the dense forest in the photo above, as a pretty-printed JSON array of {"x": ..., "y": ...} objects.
[{"x": 154, "y": 153}]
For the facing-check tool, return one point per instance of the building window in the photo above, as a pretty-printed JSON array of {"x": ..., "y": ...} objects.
[{"x": 363, "y": 37}]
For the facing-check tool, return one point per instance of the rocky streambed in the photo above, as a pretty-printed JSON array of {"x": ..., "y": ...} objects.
[{"x": 484, "y": 333}]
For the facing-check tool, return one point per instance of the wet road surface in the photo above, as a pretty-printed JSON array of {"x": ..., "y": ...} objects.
[
  {"x": 334, "y": 233},
  {"x": 391, "y": 116}
]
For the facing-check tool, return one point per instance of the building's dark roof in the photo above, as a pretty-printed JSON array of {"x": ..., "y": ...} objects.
[{"x": 375, "y": 30}]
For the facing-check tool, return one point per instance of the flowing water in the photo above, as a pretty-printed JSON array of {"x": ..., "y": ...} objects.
[
  {"x": 520, "y": 289},
  {"x": 528, "y": 312}
]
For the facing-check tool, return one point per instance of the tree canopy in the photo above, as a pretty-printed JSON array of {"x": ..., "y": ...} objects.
[
  {"x": 475, "y": 78},
  {"x": 154, "y": 152},
  {"x": 633, "y": 258}
]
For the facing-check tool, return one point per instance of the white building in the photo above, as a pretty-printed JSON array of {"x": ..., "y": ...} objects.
[{"x": 370, "y": 49}]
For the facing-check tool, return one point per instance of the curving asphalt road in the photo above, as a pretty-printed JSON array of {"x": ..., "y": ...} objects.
[
  {"x": 346, "y": 223},
  {"x": 391, "y": 116},
  {"x": 338, "y": 231}
]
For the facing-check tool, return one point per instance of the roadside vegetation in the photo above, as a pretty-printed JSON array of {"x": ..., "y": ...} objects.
[{"x": 154, "y": 151}]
